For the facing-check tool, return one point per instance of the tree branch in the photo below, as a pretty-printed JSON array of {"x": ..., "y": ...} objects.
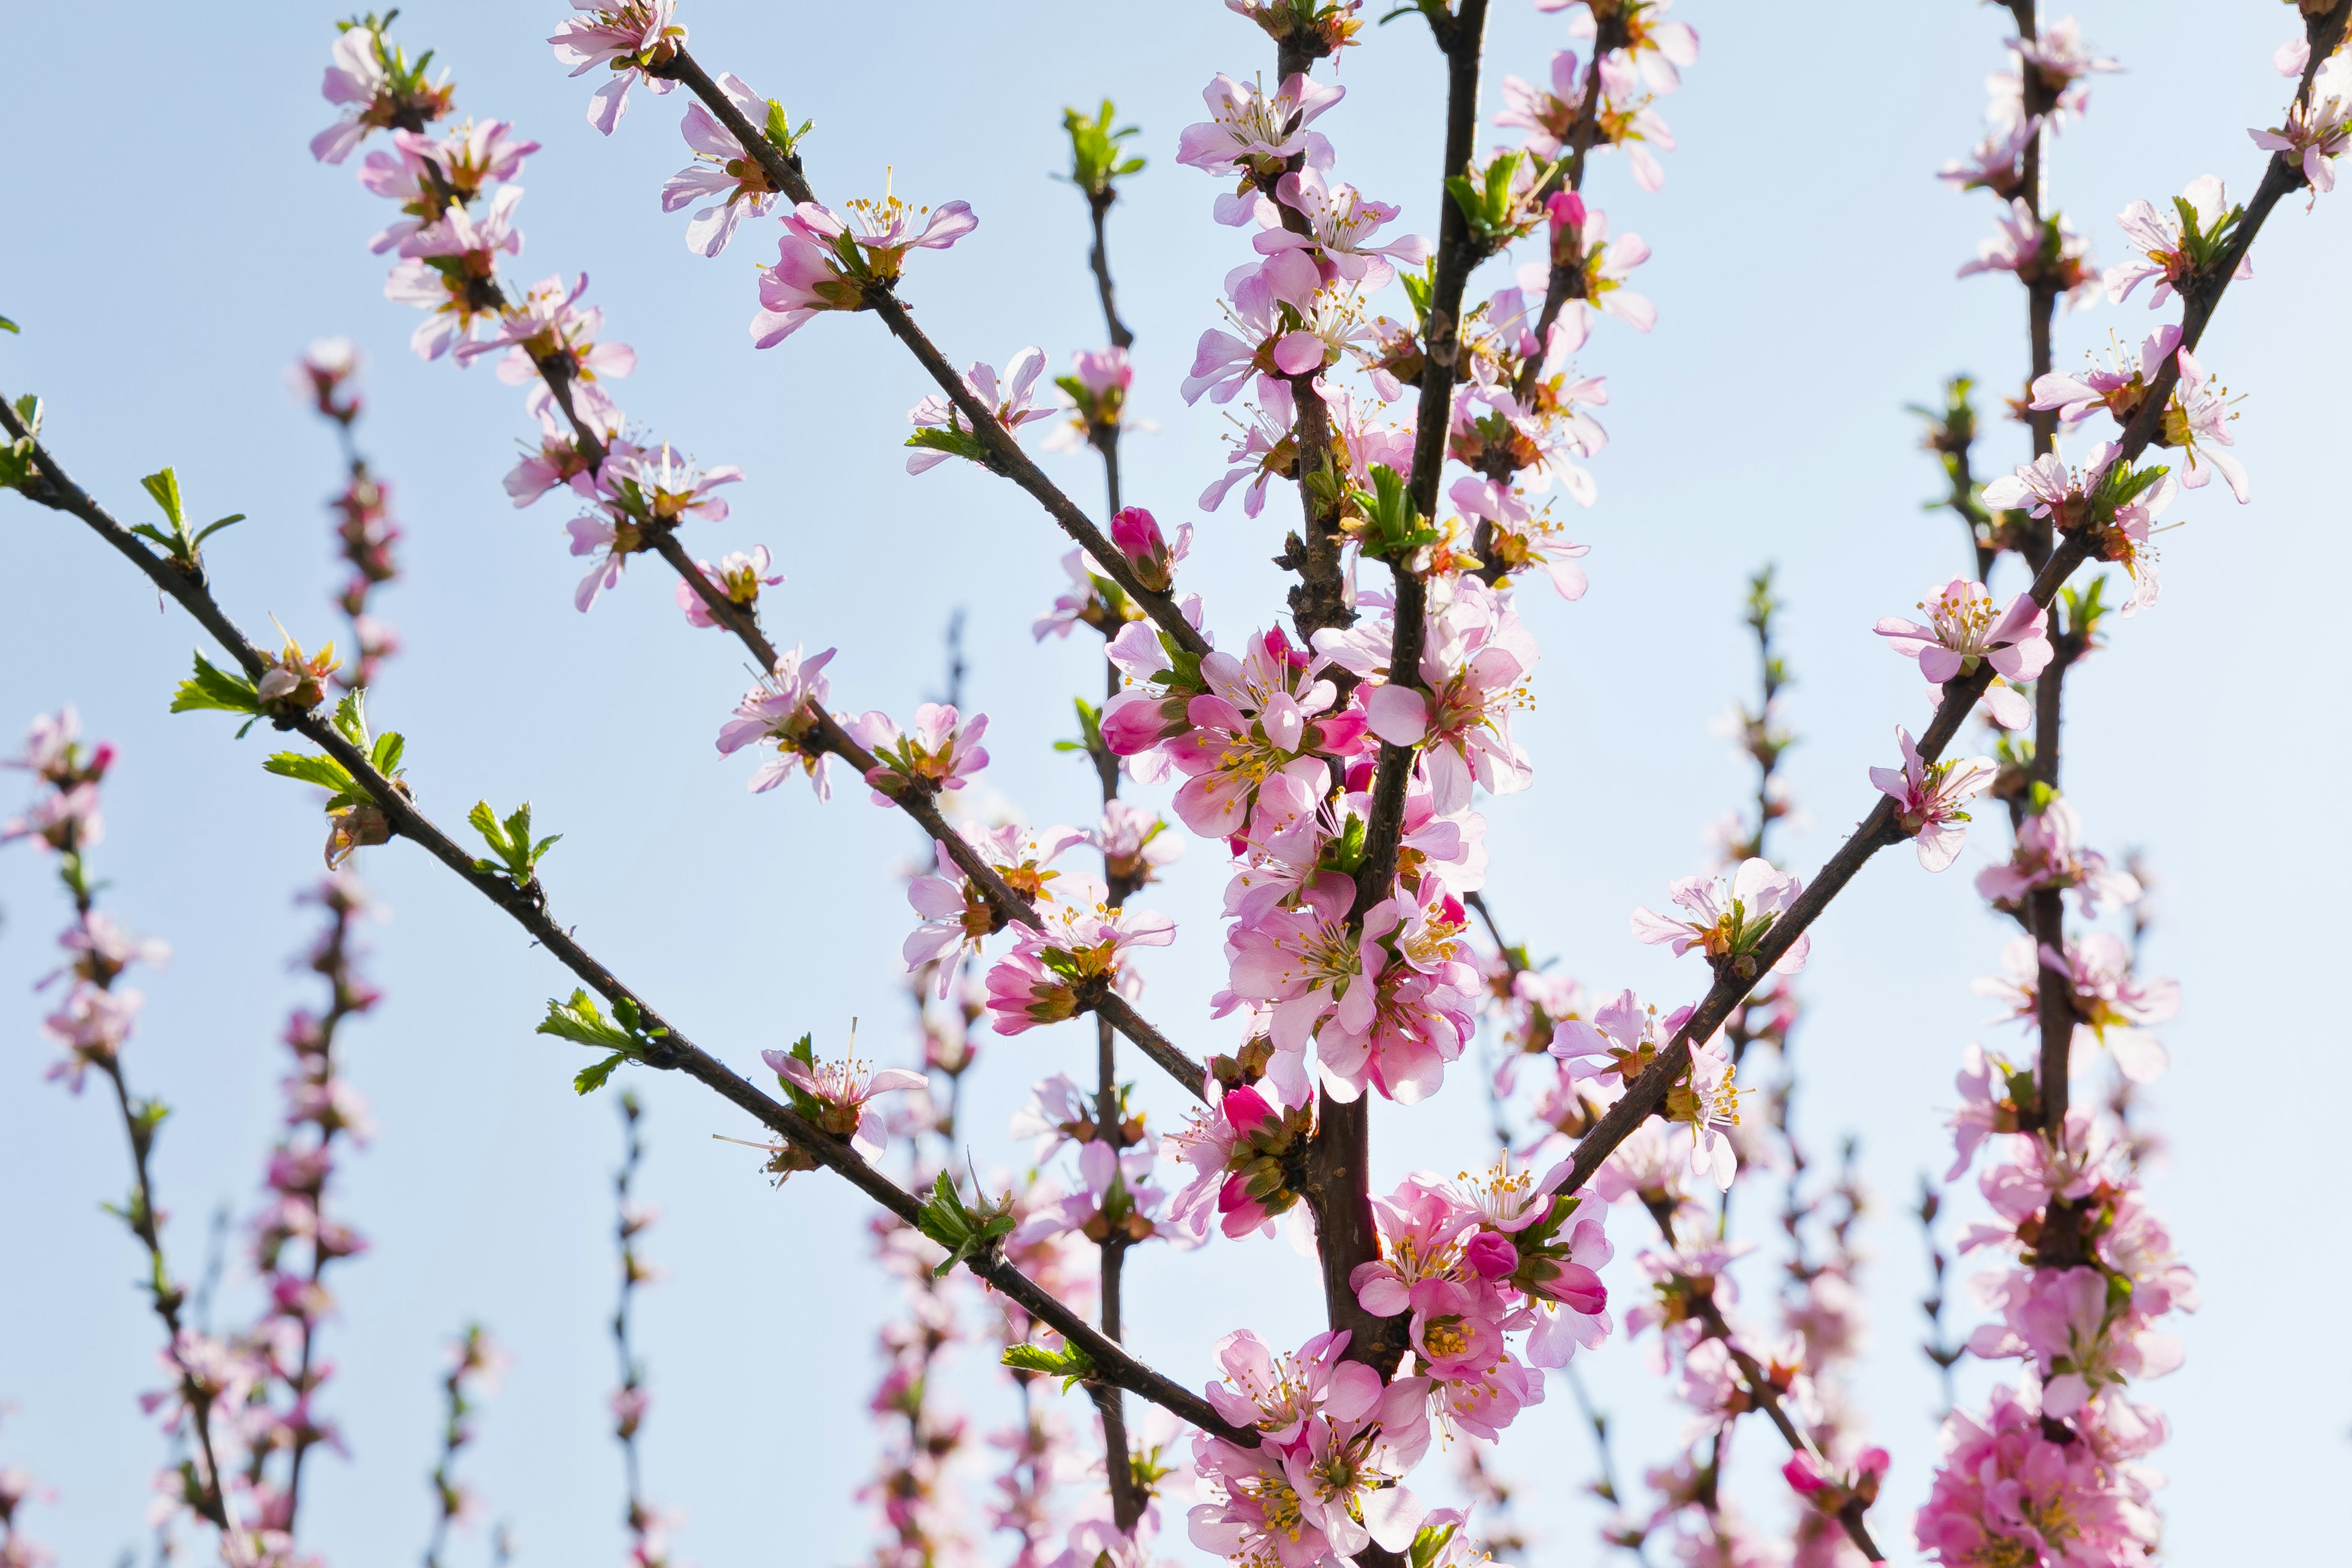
[
  {"x": 1004, "y": 453},
  {"x": 672, "y": 1051}
]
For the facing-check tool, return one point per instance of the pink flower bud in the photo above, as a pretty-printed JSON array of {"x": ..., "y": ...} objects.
[
  {"x": 1247, "y": 1110},
  {"x": 1802, "y": 1475},
  {"x": 1491, "y": 1255}
]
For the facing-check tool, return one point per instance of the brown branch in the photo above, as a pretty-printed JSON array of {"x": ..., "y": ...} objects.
[
  {"x": 1004, "y": 453},
  {"x": 2201, "y": 293},
  {"x": 672, "y": 1050}
]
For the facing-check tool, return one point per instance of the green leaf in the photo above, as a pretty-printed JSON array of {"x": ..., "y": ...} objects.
[
  {"x": 1071, "y": 1364},
  {"x": 215, "y": 687},
  {"x": 324, "y": 772},
  {"x": 964, "y": 1233},
  {"x": 350, "y": 718},
  {"x": 6, "y": 325},
  {"x": 386, "y": 754},
  {"x": 1428, "y": 1544},
  {"x": 779, "y": 132},
  {"x": 953, "y": 440},
  {"x": 580, "y": 1021},
  {"x": 212, "y": 528},
  {"x": 589, "y": 1080},
  {"x": 164, "y": 486}
]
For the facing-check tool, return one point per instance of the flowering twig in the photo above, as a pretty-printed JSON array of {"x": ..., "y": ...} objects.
[
  {"x": 474, "y": 1367},
  {"x": 46, "y": 484},
  {"x": 647, "y": 1537},
  {"x": 1004, "y": 453}
]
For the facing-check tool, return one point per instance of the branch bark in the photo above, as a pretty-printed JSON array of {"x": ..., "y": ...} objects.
[{"x": 673, "y": 1051}]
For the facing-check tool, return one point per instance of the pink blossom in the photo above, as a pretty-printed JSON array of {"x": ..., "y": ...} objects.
[
  {"x": 1135, "y": 842},
  {"x": 737, "y": 577},
  {"x": 1262, "y": 715},
  {"x": 1730, "y": 922},
  {"x": 1279, "y": 1395},
  {"x": 2039, "y": 250},
  {"x": 2159, "y": 239},
  {"x": 2198, "y": 420},
  {"x": 2318, "y": 128},
  {"x": 784, "y": 710},
  {"x": 1927, "y": 798},
  {"x": 1288, "y": 325},
  {"x": 841, "y": 1090},
  {"x": 1655, "y": 48},
  {"x": 626, "y": 38},
  {"x": 1341, "y": 223},
  {"x": 1965, "y": 630},
  {"x": 1008, "y": 401},
  {"x": 91, "y": 1024},
  {"x": 2050, "y": 853},
  {"x": 449, "y": 269},
  {"x": 957, "y": 915},
  {"x": 1474, "y": 661},
  {"x": 1265, "y": 449},
  {"x": 363, "y": 81},
  {"x": 940, "y": 753},
  {"x": 827, "y": 261},
  {"x": 1579, "y": 240},
  {"x": 721, "y": 170},
  {"x": 1249, "y": 131},
  {"x": 1347, "y": 1474}
]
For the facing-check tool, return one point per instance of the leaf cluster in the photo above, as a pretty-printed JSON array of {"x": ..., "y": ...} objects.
[
  {"x": 1071, "y": 1364},
  {"x": 17, "y": 456},
  {"x": 181, "y": 546},
  {"x": 1393, "y": 528},
  {"x": 1095, "y": 154},
  {"x": 383, "y": 752},
  {"x": 965, "y": 1233},
  {"x": 1492, "y": 204},
  {"x": 515, "y": 856},
  {"x": 624, "y": 1036}
]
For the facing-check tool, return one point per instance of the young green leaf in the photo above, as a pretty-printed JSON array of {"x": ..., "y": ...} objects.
[
  {"x": 215, "y": 687},
  {"x": 324, "y": 772},
  {"x": 164, "y": 486},
  {"x": 1072, "y": 1365},
  {"x": 580, "y": 1021},
  {"x": 6, "y": 325},
  {"x": 589, "y": 1080}
]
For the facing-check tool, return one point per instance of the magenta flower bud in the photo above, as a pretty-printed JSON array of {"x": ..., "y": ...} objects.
[
  {"x": 1491, "y": 1255},
  {"x": 1136, "y": 534},
  {"x": 1802, "y": 1475},
  {"x": 1247, "y": 1110}
]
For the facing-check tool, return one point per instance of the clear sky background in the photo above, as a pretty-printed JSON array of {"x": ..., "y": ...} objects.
[{"x": 172, "y": 246}]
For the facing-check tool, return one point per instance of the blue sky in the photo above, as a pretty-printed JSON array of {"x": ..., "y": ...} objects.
[{"x": 1802, "y": 271}]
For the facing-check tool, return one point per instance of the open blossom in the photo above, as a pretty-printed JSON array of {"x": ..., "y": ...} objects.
[
  {"x": 449, "y": 272},
  {"x": 2050, "y": 853},
  {"x": 2007, "y": 1491},
  {"x": 1964, "y": 629},
  {"x": 784, "y": 710},
  {"x": 2040, "y": 250},
  {"x": 2318, "y": 129},
  {"x": 1579, "y": 240},
  {"x": 1279, "y": 1394},
  {"x": 1251, "y": 131},
  {"x": 626, "y": 39},
  {"x": 429, "y": 178},
  {"x": 1729, "y": 923},
  {"x": 375, "y": 85},
  {"x": 1081, "y": 945},
  {"x": 549, "y": 337},
  {"x": 1007, "y": 400},
  {"x": 1995, "y": 163},
  {"x": 841, "y": 1090},
  {"x": 957, "y": 915},
  {"x": 92, "y": 1024},
  {"x": 1341, "y": 224},
  {"x": 1290, "y": 324},
  {"x": 1266, "y": 449},
  {"x": 1622, "y": 120},
  {"x": 2197, "y": 420},
  {"x": 1655, "y": 48},
  {"x": 939, "y": 753},
  {"x": 1135, "y": 842},
  {"x": 2110, "y": 1003},
  {"x": 2162, "y": 241},
  {"x": 825, "y": 261},
  {"x": 1475, "y": 662},
  {"x": 1264, "y": 716},
  {"x": 1929, "y": 795},
  {"x": 722, "y": 172},
  {"x": 739, "y": 577}
]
